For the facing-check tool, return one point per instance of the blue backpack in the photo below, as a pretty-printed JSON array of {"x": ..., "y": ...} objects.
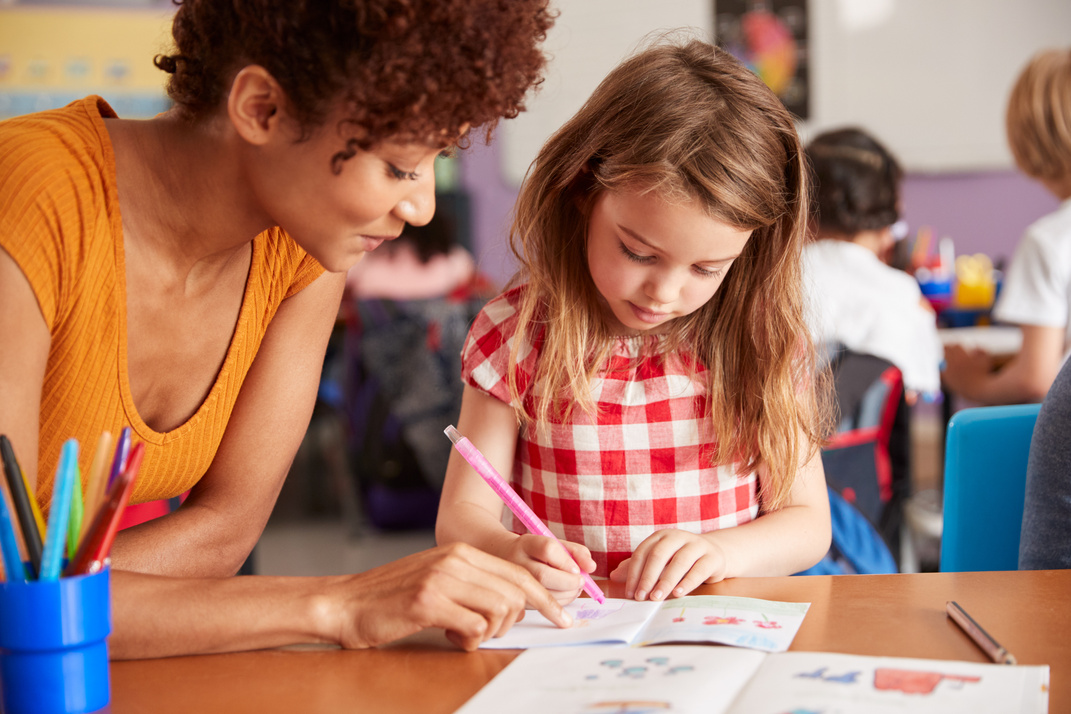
[{"x": 866, "y": 465}]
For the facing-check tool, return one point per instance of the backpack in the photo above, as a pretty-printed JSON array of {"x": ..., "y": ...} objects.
[
  {"x": 403, "y": 366},
  {"x": 866, "y": 463}
]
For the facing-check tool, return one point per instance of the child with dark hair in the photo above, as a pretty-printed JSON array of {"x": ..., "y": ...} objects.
[
  {"x": 180, "y": 276},
  {"x": 857, "y": 300}
]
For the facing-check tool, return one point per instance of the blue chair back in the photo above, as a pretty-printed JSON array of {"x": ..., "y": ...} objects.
[{"x": 986, "y": 452}]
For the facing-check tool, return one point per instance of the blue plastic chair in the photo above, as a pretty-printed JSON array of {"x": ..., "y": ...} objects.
[{"x": 986, "y": 452}]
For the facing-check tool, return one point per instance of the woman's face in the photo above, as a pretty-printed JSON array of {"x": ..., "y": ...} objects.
[
  {"x": 338, "y": 217},
  {"x": 653, "y": 261}
]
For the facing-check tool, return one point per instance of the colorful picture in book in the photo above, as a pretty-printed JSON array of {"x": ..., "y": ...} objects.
[
  {"x": 894, "y": 680},
  {"x": 586, "y": 615}
]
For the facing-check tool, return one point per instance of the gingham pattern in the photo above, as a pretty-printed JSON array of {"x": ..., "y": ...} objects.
[{"x": 644, "y": 466}]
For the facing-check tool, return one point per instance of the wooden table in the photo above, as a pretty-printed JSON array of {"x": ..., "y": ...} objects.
[{"x": 895, "y": 615}]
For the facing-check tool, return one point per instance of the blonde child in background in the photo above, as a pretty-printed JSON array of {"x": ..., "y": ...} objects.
[
  {"x": 647, "y": 384},
  {"x": 1036, "y": 294},
  {"x": 857, "y": 300}
]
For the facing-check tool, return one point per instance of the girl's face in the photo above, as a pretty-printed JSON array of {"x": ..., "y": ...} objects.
[
  {"x": 653, "y": 261},
  {"x": 336, "y": 218}
]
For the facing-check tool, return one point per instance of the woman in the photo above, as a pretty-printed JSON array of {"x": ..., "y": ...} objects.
[{"x": 169, "y": 275}]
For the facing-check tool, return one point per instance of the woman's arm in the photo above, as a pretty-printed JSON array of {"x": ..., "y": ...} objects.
[
  {"x": 1025, "y": 378},
  {"x": 221, "y": 520},
  {"x": 24, "y": 345},
  {"x": 470, "y": 512},
  {"x": 672, "y": 562},
  {"x": 470, "y": 594}
]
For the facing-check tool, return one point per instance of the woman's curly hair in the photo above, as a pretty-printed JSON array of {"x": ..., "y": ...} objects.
[{"x": 405, "y": 69}]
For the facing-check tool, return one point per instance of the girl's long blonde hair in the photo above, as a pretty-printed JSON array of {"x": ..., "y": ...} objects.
[{"x": 689, "y": 122}]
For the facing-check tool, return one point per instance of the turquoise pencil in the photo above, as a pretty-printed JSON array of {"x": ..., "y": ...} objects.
[
  {"x": 56, "y": 535},
  {"x": 14, "y": 570}
]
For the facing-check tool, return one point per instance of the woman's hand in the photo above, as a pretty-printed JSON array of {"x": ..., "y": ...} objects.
[
  {"x": 670, "y": 563},
  {"x": 472, "y": 595},
  {"x": 551, "y": 565}
]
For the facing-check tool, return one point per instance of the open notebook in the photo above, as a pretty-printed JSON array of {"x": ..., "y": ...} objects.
[
  {"x": 719, "y": 680},
  {"x": 740, "y": 621}
]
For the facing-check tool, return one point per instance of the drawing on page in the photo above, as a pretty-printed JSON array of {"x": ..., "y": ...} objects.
[
  {"x": 585, "y": 615},
  {"x": 914, "y": 682}
]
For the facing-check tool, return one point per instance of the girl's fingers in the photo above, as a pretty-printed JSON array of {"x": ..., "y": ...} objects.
[{"x": 685, "y": 565}]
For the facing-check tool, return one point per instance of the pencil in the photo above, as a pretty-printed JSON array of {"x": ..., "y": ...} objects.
[
  {"x": 23, "y": 503},
  {"x": 58, "y": 519},
  {"x": 513, "y": 501},
  {"x": 122, "y": 451},
  {"x": 991, "y": 647},
  {"x": 74, "y": 528},
  {"x": 14, "y": 571},
  {"x": 37, "y": 517},
  {"x": 97, "y": 481},
  {"x": 98, "y": 541}
]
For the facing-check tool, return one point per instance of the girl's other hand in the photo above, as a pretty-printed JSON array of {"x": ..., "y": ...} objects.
[
  {"x": 545, "y": 559},
  {"x": 670, "y": 563}
]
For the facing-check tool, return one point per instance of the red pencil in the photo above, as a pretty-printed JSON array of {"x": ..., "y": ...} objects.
[{"x": 95, "y": 547}]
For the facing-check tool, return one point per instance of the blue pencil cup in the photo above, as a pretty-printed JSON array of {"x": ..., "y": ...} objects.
[{"x": 53, "y": 647}]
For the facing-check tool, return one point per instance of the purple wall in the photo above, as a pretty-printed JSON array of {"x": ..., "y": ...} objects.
[
  {"x": 492, "y": 201},
  {"x": 984, "y": 212}
]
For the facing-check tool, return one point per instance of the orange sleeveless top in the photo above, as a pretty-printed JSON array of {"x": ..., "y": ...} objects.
[{"x": 59, "y": 220}]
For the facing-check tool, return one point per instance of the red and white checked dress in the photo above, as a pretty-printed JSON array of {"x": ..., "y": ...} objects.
[{"x": 644, "y": 466}]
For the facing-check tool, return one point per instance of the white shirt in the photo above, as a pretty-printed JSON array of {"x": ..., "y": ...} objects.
[
  {"x": 856, "y": 299},
  {"x": 1037, "y": 285}
]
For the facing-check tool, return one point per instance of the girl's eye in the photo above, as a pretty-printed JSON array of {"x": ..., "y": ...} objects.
[
  {"x": 402, "y": 175},
  {"x": 634, "y": 257},
  {"x": 706, "y": 273}
]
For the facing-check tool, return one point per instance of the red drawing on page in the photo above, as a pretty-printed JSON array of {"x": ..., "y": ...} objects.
[{"x": 913, "y": 682}]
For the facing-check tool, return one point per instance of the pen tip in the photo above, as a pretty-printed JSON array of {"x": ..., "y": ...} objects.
[{"x": 451, "y": 432}]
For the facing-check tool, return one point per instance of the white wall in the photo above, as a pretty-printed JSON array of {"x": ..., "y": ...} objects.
[{"x": 928, "y": 77}]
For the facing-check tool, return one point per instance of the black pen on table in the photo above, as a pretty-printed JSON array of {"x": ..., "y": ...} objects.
[{"x": 983, "y": 639}]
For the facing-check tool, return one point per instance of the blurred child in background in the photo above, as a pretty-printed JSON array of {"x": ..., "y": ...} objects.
[
  {"x": 857, "y": 300},
  {"x": 1036, "y": 294}
]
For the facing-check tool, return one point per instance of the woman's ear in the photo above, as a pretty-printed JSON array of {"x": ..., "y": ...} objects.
[{"x": 255, "y": 104}]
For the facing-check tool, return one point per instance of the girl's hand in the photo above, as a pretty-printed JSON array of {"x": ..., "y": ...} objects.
[
  {"x": 670, "y": 563},
  {"x": 545, "y": 559}
]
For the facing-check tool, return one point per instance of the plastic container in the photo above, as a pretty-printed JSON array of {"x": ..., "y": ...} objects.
[{"x": 53, "y": 646}]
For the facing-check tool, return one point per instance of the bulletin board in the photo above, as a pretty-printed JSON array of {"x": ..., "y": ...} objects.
[
  {"x": 54, "y": 53},
  {"x": 929, "y": 77}
]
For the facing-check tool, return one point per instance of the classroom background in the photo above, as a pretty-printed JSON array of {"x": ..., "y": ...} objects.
[{"x": 929, "y": 77}]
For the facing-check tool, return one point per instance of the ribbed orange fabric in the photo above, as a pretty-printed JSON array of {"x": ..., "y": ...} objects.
[{"x": 59, "y": 220}]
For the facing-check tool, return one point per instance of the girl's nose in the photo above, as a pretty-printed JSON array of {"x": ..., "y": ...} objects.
[{"x": 664, "y": 287}]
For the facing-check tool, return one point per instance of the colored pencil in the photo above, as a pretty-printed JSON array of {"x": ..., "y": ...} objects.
[
  {"x": 59, "y": 517},
  {"x": 122, "y": 451},
  {"x": 23, "y": 503},
  {"x": 97, "y": 481},
  {"x": 97, "y": 544},
  {"x": 74, "y": 528},
  {"x": 9, "y": 548}
]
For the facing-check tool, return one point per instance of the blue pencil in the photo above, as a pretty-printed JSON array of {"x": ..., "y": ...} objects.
[
  {"x": 56, "y": 534},
  {"x": 13, "y": 567}
]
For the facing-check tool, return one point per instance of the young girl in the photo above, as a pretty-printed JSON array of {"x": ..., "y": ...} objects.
[{"x": 647, "y": 383}]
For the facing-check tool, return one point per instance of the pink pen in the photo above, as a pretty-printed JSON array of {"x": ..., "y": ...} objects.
[{"x": 520, "y": 509}]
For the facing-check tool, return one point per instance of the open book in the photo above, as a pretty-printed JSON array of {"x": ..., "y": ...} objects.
[
  {"x": 741, "y": 621},
  {"x": 718, "y": 680}
]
